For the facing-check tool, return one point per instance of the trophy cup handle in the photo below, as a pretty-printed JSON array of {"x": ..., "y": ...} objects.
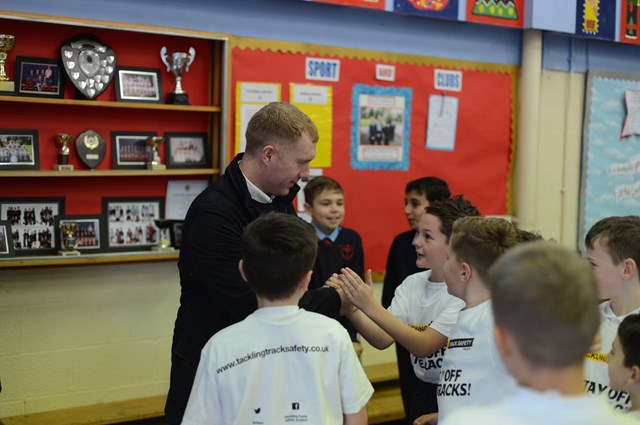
[
  {"x": 192, "y": 56},
  {"x": 163, "y": 56}
]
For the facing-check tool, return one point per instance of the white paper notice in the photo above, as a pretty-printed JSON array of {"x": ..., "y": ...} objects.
[
  {"x": 180, "y": 194},
  {"x": 443, "y": 118},
  {"x": 251, "y": 97},
  {"x": 632, "y": 120}
]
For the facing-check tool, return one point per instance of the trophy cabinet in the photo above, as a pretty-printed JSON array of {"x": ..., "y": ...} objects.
[{"x": 134, "y": 84}]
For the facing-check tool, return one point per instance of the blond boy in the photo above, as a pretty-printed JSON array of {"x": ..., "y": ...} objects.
[{"x": 623, "y": 361}]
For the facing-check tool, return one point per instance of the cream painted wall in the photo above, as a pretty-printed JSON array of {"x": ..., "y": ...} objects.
[{"x": 76, "y": 336}]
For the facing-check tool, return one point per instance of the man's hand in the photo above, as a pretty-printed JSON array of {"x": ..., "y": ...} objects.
[
  {"x": 428, "y": 419},
  {"x": 346, "y": 307}
]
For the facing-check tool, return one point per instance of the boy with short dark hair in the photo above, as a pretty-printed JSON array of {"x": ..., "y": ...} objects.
[
  {"x": 401, "y": 262},
  {"x": 338, "y": 246},
  {"x": 613, "y": 250},
  {"x": 306, "y": 355},
  {"x": 623, "y": 361},
  {"x": 422, "y": 313},
  {"x": 544, "y": 302}
]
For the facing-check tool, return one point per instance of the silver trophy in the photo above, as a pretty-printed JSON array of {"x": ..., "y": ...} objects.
[
  {"x": 69, "y": 239},
  {"x": 165, "y": 241},
  {"x": 179, "y": 64},
  {"x": 6, "y": 44}
]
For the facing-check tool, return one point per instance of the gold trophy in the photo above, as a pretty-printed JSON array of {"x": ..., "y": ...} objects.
[
  {"x": 68, "y": 239},
  {"x": 153, "y": 156},
  {"x": 180, "y": 62},
  {"x": 6, "y": 44},
  {"x": 63, "y": 140}
]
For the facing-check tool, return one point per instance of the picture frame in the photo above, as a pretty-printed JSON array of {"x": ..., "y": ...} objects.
[
  {"x": 187, "y": 150},
  {"x": 89, "y": 234},
  {"x": 6, "y": 240},
  {"x": 176, "y": 233},
  {"x": 40, "y": 77},
  {"x": 19, "y": 150},
  {"x": 139, "y": 85},
  {"x": 129, "y": 149},
  {"x": 129, "y": 222},
  {"x": 32, "y": 223}
]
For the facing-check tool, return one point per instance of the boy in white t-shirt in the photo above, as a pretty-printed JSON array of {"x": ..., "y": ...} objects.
[
  {"x": 613, "y": 250},
  {"x": 623, "y": 361},
  {"x": 472, "y": 373},
  {"x": 281, "y": 364},
  {"x": 545, "y": 306},
  {"x": 421, "y": 313}
]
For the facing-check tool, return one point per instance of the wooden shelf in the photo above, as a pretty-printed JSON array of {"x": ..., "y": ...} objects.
[
  {"x": 103, "y": 104},
  {"x": 113, "y": 173},
  {"x": 88, "y": 259}
]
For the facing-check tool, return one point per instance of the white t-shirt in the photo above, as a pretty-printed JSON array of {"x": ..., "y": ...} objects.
[
  {"x": 472, "y": 372},
  {"x": 529, "y": 407},
  {"x": 279, "y": 365},
  {"x": 421, "y": 303},
  {"x": 596, "y": 374}
]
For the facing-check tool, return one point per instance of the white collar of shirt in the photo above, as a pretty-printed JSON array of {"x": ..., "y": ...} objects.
[
  {"x": 321, "y": 235},
  {"x": 256, "y": 194}
]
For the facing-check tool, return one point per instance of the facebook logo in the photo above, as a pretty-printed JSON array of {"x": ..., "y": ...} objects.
[{"x": 295, "y": 406}]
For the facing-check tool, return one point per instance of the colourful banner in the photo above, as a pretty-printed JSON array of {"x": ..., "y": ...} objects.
[
  {"x": 508, "y": 13},
  {"x": 629, "y": 16},
  {"x": 596, "y": 18},
  {"x": 369, "y": 4},
  {"x": 435, "y": 8}
]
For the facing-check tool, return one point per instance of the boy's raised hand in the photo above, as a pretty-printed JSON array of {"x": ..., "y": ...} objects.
[
  {"x": 346, "y": 307},
  {"x": 360, "y": 293}
]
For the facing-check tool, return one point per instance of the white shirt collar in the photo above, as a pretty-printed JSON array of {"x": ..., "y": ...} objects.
[{"x": 256, "y": 194}]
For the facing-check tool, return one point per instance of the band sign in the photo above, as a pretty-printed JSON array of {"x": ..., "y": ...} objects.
[
  {"x": 385, "y": 72},
  {"x": 448, "y": 80},
  {"x": 322, "y": 69}
]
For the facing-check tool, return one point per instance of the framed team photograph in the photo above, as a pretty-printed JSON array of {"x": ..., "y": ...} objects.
[
  {"x": 88, "y": 233},
  {"x": 130, "y": 222},
  {"x": 40, "y": 77},
  {"x": 19, "y": 150},
  {"x": 32, "y": 223},
  {"x": 129, "y": 149},
  {"x": 187, "y": 150},
  {"x": 139, "y": 85},
  {"x": 176, "y": 233},
  {"x": 6, "y": 240}
]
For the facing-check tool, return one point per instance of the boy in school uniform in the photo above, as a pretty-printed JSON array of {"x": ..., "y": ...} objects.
[
  {"x": 401, "y": 262},
  {"x": 281, "y": 364},
  {"x": 623, "y": 361},
  {"x": 472, "y": 372},
  {"x": 613, "y": 250},
  {"x": 338, "y": 246},
  {"x": 545, "y": 305},
  {"x": 422, "y": 313}
]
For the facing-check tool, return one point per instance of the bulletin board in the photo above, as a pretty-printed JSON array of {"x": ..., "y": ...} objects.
[
  {"x": 478, "y": 165},
  {"x": 611, "y": 161}
]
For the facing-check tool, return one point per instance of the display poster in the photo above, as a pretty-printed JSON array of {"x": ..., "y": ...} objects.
[
  {"x": 442, "y": 122},
  {"x": 380, "y": 127},
  {"x": 250, "y": 98},
  {"x": 508, "y": 13},
  {"x": 369, "y": 4},
  {"x": 632, "y": 120},
  {"x": 447, "y": 9},
  {"x": 629, "y": 14},
  {"x": 596, "y": 18},
  {"x": 611, "y": 166},
  {"x": 180, "y": 195},
  {"x": 317, "y": 103}
]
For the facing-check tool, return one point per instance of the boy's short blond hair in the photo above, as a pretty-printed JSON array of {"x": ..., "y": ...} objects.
[
  {"x": 280, "y": 124},
  {"x": 619, "y": 235},
  {"x": 480, "y": 241},
  {"x": 319, "y": 184},
  {"x": 546, "y": 297}
]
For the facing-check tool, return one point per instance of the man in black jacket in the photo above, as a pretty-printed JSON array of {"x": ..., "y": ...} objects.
[{"x": 281, "y": 142}]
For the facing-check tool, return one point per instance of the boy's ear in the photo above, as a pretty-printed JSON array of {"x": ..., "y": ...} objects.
[
  {"x": 630, "y": 268},
  {"x": 241, "y": 268},
  {"x": 635, "y": 375},
  {"x": 307, "y": 207},
  {"x": 466, "y": 272},
  {"x": 304, "y": 283}
]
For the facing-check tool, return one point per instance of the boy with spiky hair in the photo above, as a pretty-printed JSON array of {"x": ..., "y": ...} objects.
[
  {"x": 422, "y": 313},
  {"x": 545, "y": 308},
  {"x": 613, "y": 250},
  {"x": 306, "y": 355},
  {"x": 338, "y": 246},
  {"x": 623, "y": 361}
]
